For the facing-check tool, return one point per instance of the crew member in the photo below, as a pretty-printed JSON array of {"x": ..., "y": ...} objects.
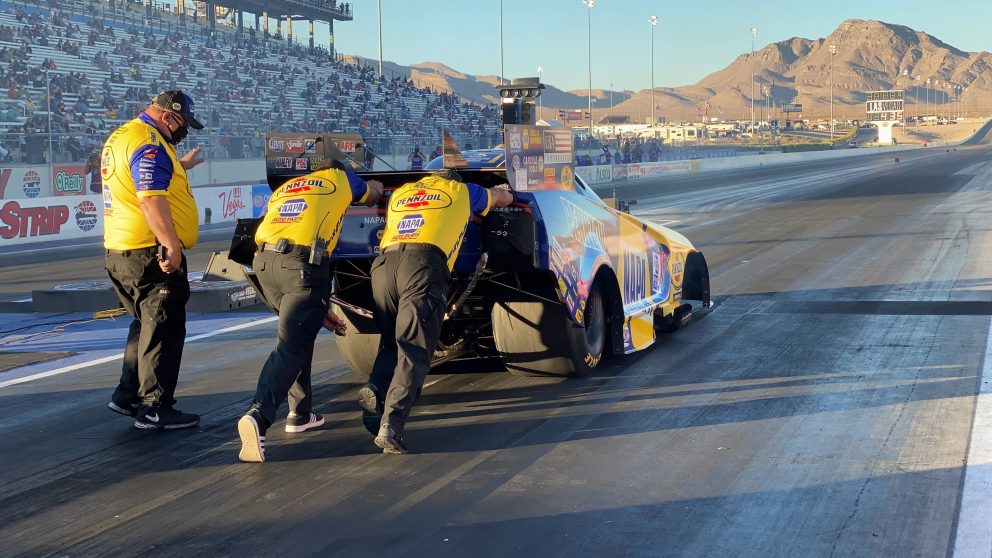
[
  {"x": 150, "y": 217},
  {"x": 416, "y": 159},
  {"x": 295, "y": 238},
  {"x": 425, "y": 224},
  {"x": 436, "y": 153}
]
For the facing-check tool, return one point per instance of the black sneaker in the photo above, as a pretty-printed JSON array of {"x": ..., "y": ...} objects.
[
  {"x": 390, "y": 441},
  {"x": 164, "y": 418},
  {"x": 251, "y": 429},
  {"x": 301, "y": 423},
  {"x": 372, "y": 406},
  {"x": 126, "y": 407}
]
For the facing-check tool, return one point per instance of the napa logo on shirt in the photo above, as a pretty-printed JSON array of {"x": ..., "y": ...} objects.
[
  {"x": 409, "y": 227},
  {"x": 420, "y": 199},
  {"x": 291, "y": 211}
]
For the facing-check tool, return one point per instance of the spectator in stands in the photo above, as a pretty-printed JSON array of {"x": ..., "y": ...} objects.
[
  {"x": 416, "y": 159},
  {"x": 436, "y": 153},
  {"x": 93, "y": 169}
]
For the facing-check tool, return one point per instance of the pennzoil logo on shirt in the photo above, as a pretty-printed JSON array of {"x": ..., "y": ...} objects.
[
  {"x": 304, "y": 184},
  {"x": 420, "y": 199},
  {"x": 291, "y": 211}
]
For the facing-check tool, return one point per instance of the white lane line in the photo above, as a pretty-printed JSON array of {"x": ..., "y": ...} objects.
[
  {"x": 974, "y": 534},
  {"x": 118, "y": 356}
]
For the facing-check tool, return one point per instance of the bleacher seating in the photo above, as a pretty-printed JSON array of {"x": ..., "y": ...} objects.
[{"x": 104, "y": 66}]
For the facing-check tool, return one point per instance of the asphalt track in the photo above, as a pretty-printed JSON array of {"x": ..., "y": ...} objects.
[{"x": 827, "y": 406}]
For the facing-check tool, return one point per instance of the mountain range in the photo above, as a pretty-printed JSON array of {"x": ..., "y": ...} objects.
[{"x": 870, "y": 55}]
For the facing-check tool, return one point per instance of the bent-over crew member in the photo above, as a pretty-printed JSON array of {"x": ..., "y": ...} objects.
[
  {"x": 425, "y": 224},
  {"x": 295, "y": 238}
]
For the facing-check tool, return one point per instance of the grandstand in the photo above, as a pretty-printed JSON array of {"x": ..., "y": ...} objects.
[{"x": 98, "y": 63}]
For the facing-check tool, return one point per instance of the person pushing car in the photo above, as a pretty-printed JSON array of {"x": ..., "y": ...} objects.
[{"x": 425, "y": 225}]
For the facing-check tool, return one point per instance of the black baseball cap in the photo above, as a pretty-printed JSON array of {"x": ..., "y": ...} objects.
[{"x": 177, "y": 102}]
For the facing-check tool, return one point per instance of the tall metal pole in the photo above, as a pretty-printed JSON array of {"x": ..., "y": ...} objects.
[
  {"x": 653, "y": 20},
  {"x": 833, "y": 51},
  {"x": 754, "y": 33},
  {"x": 48, "y": 82},
  {"x": 591, "y": 4},
  {"x": 501, "y": 71},
  {"x": 378, "y": 12},
  {"x": 540, "y": 104}
]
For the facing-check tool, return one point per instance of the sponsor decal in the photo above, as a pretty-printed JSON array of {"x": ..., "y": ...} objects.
[
  {"x": 258, "y": 201},
  {"x": 106, "y": 163},
  {"x": 634, "y": 272},
  {"x": 309, "y": 146},
  {"x": 32, "y": 184},
  {"x": 108, "y": 205},
  {"x": 283, "y": 163},
  {"x": 86, "y": 215},
  {"x": 247, "y": 293},
  {"x": 231, "y": 202},
  {"x": 656, "y": 272},
  {"x": 410, "y": 224},
  {"x": 315, "y": 162},
  {"x": 302, "y": 164},
  {"x": 277, "y": 145},
  {"x": 677, "y": 269},
  {"x": 373, "y": 220},
  {"x": 422, "y": 198},
  {"x": 19, "y": 221},
  {"x": 294, "y": 145},
  {"x": 293, "y": 208}
]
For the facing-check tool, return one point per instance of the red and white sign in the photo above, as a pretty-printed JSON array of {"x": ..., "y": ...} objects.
[{"x": 24, "y": 221}]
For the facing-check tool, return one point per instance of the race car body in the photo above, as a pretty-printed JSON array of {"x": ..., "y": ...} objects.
[{"x": 551, "y": 283}]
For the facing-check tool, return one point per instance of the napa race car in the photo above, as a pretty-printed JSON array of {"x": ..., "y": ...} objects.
[{"x": 551, "y": 284}]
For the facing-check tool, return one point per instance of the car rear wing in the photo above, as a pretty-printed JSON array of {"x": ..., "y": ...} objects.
[{"x": 289, "y": 155}]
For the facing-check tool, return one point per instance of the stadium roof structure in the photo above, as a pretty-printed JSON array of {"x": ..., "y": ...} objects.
[{"x": 321, "y": 10}]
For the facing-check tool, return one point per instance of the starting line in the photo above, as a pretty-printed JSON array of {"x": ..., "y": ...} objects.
[{"x": 118, "y": 356}]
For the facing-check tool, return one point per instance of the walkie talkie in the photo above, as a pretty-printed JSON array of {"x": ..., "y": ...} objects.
[{"x": 317, "y": 249}]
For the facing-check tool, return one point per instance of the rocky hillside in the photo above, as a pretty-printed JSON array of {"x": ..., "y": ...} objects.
[{"x": 870, "y": 55}]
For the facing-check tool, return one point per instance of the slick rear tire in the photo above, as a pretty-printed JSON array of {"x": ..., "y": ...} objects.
[
  {"x": 359, "y": 349},
  {"x": 537, "y": 338}
]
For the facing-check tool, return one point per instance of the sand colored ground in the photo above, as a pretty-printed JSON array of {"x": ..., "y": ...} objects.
[{"x": 947, "y": 133}]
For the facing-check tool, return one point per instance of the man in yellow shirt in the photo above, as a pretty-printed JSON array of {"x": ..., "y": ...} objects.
[
  {"x": 295, "y": 238},
  {"x": 425, "y": 225},
  {"x": 150, "y": 217}
]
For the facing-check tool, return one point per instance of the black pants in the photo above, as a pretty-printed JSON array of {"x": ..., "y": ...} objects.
[
  {"x": 157, "y": 302},
  {"x": 408, "y": 286},
  {"x": 299, "y": 291}
]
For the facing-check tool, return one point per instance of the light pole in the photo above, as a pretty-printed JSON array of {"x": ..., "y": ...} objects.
[
  {"x": 754, "y": 33},
  {"x": 611, "y": 97},
  {"x": 653, "y": 20},
  {"x": 833, "y": 51},
  {"x": 591, "y": 4},
  {"x": 378, "y": 12},
  {"x": 927, "y": 115},
  {"x": 501, "y": 72}
]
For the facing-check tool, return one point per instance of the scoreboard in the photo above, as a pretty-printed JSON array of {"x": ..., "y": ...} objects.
[{"x": 883, "y": 106}]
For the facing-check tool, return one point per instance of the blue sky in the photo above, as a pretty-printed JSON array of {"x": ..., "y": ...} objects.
[{"x": 692, "y": 40}]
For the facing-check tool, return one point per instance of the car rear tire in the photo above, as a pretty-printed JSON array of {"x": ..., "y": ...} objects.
[
  {"x": 537, "y": 338},
  {"x": 359, "y": 349}
]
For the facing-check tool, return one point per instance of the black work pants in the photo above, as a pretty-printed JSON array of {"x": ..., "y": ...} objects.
[
  {"x": 157, "y": 303},
  {"x": 408, "y": 286},
  {"x": 299, "y": 292}
]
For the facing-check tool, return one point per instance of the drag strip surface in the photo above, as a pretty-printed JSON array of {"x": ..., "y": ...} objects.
[{"x": 824, "y": 407}]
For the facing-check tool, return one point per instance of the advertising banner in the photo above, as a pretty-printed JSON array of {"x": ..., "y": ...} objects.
[
  {"x": 224, "y": 204},
  {"x": 600, "y": 174},
  {"x": 539, "y": 158},
  {"x": 52, "y": 218},
  {"x": 24, "y": 183},
  {"x": 260, "y": 194},
  {"x": 69, "y": 180}
]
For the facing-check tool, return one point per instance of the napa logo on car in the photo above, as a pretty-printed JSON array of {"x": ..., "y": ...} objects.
[
  {"x": 408, "y": 228},
  {"x": 420, "y": 199},
  {"x": 291, "y": 211}
]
